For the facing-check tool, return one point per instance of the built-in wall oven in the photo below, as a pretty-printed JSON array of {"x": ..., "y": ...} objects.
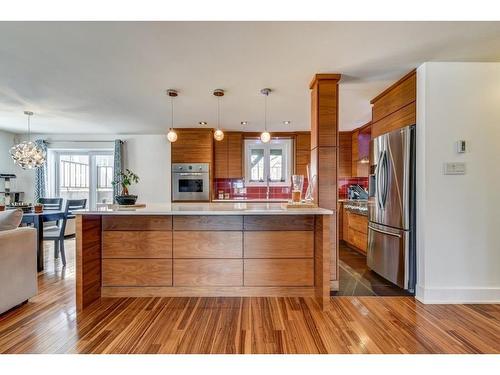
[{"x": 190, "y": 182}]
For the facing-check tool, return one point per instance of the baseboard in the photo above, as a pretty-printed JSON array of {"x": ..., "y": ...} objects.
[{"x": 457, "y": 295}]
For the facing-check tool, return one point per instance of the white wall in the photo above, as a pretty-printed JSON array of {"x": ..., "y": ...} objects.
[
  {"x": 458, "y": 217},
  {"x": 7, "y": 140},
  {"x": 147, "y": 155}
]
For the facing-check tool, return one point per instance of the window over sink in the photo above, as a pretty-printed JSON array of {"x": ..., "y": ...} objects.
[{"x": 268, "y": 162}]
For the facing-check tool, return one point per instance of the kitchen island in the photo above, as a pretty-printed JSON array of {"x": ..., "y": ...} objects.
[{"x": 205, "y": 249}]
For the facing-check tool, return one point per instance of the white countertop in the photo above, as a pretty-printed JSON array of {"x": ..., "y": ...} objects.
[{"x": 218, "y": 208}]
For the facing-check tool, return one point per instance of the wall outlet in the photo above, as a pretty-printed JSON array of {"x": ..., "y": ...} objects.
[{"x": 454, "y": 168}]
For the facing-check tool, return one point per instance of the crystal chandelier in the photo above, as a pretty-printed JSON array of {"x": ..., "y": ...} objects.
[{"x": 28, "y": 154}]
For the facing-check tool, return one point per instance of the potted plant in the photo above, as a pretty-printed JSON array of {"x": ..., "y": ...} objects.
[{"x": 125, "y": 179}]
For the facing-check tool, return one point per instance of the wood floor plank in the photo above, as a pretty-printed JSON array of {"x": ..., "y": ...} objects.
[{"x": 49, "y": 323}]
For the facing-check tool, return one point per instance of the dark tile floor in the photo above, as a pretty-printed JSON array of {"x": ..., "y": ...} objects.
[{"x": 356, "y": 279}]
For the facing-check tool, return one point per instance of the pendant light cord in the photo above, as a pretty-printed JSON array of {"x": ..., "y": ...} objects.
[
  {"x": 265, "y": 113},
  {"x": 171, "y": 112},
  {"x": 218, "y": 112}
]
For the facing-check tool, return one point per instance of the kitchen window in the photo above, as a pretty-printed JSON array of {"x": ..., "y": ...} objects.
[{"x": 268, "y": 162}]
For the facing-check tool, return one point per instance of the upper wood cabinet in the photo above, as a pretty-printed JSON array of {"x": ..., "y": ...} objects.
[
  {"x": 193, "y": 146},
  {"x": 354, "y": 153},
  {"x": 395, "y": 107},
  {"x": 355, "y": 164},
  {"x": 229, "y": 156},
  {"x": 235, "y": 155},
  {"x": 302, "y": 152},
  {"x": 345, "y": 155}
]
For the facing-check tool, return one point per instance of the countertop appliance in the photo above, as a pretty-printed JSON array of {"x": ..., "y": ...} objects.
[
  {"x": 391, "y": 207},
  {"x": 190, "y": 182}
]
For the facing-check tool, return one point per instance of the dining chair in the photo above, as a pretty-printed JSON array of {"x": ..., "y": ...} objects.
[
  {"x": 56, "y": 233},
  {"x": 51, "y": 204}
]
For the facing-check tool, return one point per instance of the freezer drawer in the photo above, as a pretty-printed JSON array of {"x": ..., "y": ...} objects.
[{"x": 388, "y": 253}]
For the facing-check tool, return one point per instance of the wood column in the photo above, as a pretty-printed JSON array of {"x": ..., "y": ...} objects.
[{"x": 324, "y": 148}]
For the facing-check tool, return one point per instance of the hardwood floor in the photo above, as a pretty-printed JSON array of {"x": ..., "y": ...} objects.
[
  {"x": 49, "y": 324},
  {"x": 356, "y": 279}
]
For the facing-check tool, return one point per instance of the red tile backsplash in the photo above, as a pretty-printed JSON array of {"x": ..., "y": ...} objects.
[
  {"x": 344, "y": 183},
  {"x": 237, "y": 189}
]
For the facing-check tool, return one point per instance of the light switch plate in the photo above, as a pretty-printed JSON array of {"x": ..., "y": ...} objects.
[
  {"x": 454, "y": 168},
  {"x": 461, "y": 147}
]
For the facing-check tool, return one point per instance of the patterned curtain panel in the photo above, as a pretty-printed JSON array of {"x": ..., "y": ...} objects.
[
  {"x": 41, "y": 175},
  {"x": 118, "y": 167}
]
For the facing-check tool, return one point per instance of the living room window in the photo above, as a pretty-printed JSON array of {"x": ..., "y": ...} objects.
[
  {"x": 81, "y": 174},
  {"x": 268, "y": 162}
]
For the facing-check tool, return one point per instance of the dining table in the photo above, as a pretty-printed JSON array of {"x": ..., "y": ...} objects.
[{"x": 37, "y": 220}]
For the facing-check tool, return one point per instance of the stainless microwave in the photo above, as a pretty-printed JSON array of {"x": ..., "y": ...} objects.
[{"x": 190, "y": 182}]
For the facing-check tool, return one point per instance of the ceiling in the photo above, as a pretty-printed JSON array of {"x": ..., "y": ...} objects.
[{"x": 111, "y": 77}]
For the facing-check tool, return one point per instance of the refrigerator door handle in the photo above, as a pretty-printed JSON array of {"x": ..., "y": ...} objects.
[
  {"x": 384, "y": 182},
  {"x": 377, "y": 180},
  {"x": 384, "y": 232}
]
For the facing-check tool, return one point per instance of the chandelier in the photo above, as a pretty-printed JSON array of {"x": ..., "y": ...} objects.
[{"x": 28, "y": 154}]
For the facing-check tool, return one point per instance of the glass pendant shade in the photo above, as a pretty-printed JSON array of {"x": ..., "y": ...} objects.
[
  {"x": 219, "y": 135},
  {"x": 28, "y": 155},
  {"x": 265, "y": 137},
  {"x": 172, "y": 135}
]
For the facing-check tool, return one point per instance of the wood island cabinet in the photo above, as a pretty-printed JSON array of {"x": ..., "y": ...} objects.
[{"x": 204, "y": 255}]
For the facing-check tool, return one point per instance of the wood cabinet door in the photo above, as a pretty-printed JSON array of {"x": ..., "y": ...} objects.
[
  {"x": 193, "y": 146},
  {"x": 220, "y": 161},
  {"x": 345, "y": 155},
  {"x": 355, "y": 154},
  {"x": 235, "y": 155},
  {"x": 345, "y": 225}
]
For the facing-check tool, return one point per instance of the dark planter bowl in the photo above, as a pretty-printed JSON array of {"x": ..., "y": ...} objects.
[{"x": 126, "y": 200}]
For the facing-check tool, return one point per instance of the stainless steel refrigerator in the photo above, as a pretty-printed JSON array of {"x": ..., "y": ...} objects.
[{"x": 391, "y": 207}]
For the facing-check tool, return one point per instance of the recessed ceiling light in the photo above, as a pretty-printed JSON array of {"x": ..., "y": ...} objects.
[
  {"x": 202, "y": 123},
  {"x": 287, "y": 122},
  {"x": 244, "y": 122}
]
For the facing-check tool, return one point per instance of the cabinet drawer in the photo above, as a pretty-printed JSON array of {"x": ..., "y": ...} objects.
[
  {"x": 357, "y": 239},
  {"x": 208, "y": 223},
  {"x": 279, "y": 222},
  {"x": 358, "y": 222},
  {"x": 135, "y": 244},
  {"x": 119, "y": 222},
  {"x": 279, "y": 244},
  {"x": 136, "y": 272},
  {"x": 279, "y": 272},
  {"x": 208, "y": 272},
  {"x": 192, "y": 244}
]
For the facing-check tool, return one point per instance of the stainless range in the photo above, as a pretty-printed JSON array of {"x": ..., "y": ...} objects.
[{"x": 190, "y": 182}]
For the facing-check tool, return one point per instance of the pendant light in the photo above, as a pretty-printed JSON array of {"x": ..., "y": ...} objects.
[
  {"x": 265, "y": 136},
  {"x": 172, "y": 135},
  {"x": 218, "y": 134},
  {"x": 28, "y": 154}
]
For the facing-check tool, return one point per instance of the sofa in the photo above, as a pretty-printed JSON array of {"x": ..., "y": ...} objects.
[{"x": 18, "y": 272}]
